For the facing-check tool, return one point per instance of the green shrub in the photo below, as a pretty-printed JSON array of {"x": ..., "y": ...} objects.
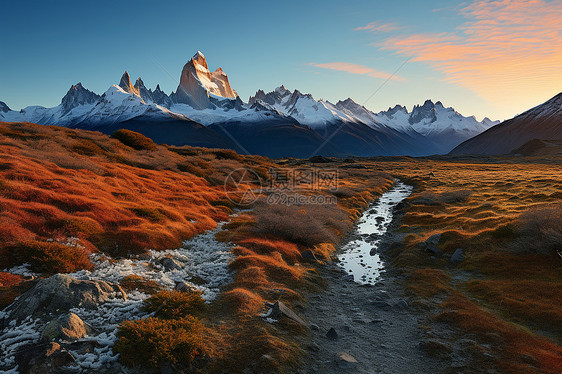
[{"x": 134, "y": 140}]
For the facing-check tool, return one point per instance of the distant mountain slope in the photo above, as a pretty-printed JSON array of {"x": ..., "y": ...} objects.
[{"x": 543, "y": 122}]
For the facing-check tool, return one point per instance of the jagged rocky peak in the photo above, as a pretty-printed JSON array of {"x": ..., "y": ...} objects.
[
  {"x": 426, "y": 111},
  {"x": 197, "y": 83},
  {"x": 78, "y": 95},
  {"x": 160, "y": 97},
  {"x": 127, "y": 85},
  {"x": 4, "y": 108},
  {"x": 144, "y": 93},
  {"x": 259, "y": 96},
  {"x": 393, "y": 110},
  {"x": 349, "y": 104},
  {"x": 276, "y": 96},
  {"x": 200, "y": 59},
  {"x": 282, "y": 90}
]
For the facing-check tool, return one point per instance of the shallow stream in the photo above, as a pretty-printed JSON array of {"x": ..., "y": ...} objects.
[{"x": 359, "y": 257}]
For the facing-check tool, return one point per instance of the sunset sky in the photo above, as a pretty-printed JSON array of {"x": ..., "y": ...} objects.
[{"x": 487, "y": 58}]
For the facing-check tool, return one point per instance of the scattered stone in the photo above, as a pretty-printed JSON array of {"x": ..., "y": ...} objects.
[
  {"x": 359, "y": 319},
  {"x": 380, "y": 304},
  {"x": 279, "y": 310},
  {"x": 346, "y": 361},
  {"x": 197, "y": 280},
  {"x": 308, "y": 255},
  {"x": 66, "y": 327},
  {"x": 313, "y": 347},
  {"x": 332, "y": 334},
  {"x": 83, "y": 347},
  {"x": 44, "y": 358},
  {"x": 60, "y": 293},
  {"x": 170, "y": 264},
  {"x": 458, "y": 256},
  {"x": 431, "y": 244},
  {"x": 185, "y": 287},
  {"x": 530, "y": 360},
  {"x": 435, "y": 348}
]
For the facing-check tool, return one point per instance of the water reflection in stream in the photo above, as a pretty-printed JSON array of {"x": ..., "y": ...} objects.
[{"x": 356, "y": 258}]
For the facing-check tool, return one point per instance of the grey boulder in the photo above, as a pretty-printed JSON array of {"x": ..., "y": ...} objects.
[
  {"x": 67, "y": 327},
  {"x": 60, "y": 293},
  {"x": 458, "y": 256}
]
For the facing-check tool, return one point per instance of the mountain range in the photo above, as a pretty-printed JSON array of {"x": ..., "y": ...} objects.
[{"x": 206, "y": 111}]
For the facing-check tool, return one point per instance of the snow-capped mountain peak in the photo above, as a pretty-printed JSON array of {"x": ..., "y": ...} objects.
[
  {"x": 425, "y": 113},
  {"x": 282, "y": 90},
  {"x": 4, "y": 108},
  {"x": 78, "y": 95}
]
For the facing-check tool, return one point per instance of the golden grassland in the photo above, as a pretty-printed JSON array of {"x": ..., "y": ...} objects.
[
  {"x": 65, "y": 194},
  {"x": 508, "y": 219}
]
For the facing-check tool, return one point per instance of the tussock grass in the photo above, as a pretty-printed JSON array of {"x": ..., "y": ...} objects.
[{"x": 153, "y": 343}]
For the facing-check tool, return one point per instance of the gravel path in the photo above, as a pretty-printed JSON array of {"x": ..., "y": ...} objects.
[{"x": 375, "y": 324}]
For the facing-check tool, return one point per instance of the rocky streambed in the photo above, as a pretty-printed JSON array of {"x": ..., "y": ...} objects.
[{"x": 362, "y": 322}]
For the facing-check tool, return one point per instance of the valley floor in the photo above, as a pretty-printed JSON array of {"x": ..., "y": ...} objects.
[{"x": 472, "y": 280}]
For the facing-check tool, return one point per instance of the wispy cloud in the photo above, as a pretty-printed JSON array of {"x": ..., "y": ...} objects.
[
  {"x": 506, "y": 50},
  {"x": 351, "y": 68},
  {"x": 377, "y": 27}
]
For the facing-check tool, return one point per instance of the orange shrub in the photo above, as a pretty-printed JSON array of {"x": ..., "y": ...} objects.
[
  {"x": 8, "y": 279},
  {"x": 154, "y": 342},
  {"x": 175, "y": 304},
  {"x": 135, "y": 282},
  {"x": 134, "y": 140},
  {"x": 52, "y": 257}
]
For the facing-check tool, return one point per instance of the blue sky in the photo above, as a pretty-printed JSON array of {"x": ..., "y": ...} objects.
[{"x": 331, "y": 49}]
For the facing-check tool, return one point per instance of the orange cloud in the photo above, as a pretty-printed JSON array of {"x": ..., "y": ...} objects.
[
  {"x": 348, "y": 67},
  {"x": 508, "y": 51},
  {"x": 377, "y": 27}
]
